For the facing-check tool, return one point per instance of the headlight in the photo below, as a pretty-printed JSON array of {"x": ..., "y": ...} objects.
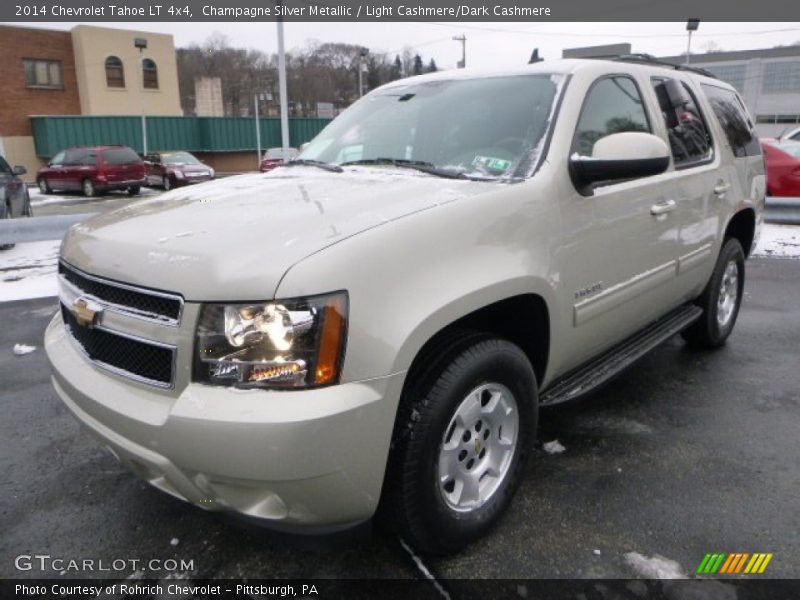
[
  {"x": 178, "y": 173},
  {"x": 280, "y": 344}
]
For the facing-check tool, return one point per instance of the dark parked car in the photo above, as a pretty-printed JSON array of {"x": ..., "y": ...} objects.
[
  {"x": 274, "y": 157},
  {"x": 173, "y": 169},
  {"x": 14, "y": 198},
  {"x": 783, "y": 168},
  {"x": 93, "y": 170}
]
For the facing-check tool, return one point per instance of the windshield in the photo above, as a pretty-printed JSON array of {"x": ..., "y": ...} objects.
[
  {"x": 179, "y": 158},
  {"x": 482, "y": 127}
]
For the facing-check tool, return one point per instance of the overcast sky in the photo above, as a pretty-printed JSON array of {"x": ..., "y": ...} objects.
[{"x": 488, "y": 44}]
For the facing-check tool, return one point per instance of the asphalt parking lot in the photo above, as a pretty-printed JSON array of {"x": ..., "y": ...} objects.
[{"x": 688, "y": 452}]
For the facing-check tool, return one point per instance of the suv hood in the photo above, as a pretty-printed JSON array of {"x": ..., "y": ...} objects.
[{"x": 233, "y": 239}]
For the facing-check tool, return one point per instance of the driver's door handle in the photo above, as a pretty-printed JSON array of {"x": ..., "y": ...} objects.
[
  {"x": 661, "y": 208},
  {"x": 721, "y": 189}
]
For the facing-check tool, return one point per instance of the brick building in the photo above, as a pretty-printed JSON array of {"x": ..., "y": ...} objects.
[{"x": 84, "y": 71}]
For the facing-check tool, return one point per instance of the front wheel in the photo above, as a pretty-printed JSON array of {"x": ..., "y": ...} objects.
[
  {"x": 134, "y": 190},
  {"x": 44, "y": 186},
  {"x": 167, "y": 183},
  {"x": 720, "y": 300},
  {"x": 463, "y": 435}
]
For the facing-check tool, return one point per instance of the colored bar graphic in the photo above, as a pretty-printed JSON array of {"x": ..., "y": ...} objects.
[
  {"x": 734, "y": 563},
  {"x": 704, "y": 564},
  {"x": 765, "y": 563},
  {"x": 727, "y": 564}
]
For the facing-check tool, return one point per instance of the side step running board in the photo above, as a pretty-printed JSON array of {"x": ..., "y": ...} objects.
[{"x": 599, "y": 370}]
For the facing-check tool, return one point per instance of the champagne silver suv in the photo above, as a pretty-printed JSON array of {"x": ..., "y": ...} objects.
[{"x": 377, "y": 322}]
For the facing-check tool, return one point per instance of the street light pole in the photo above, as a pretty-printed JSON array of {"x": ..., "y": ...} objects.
[
  {"x": 691, "y": 25},
  {"x": 284, "y": 101},
  {"x": 361, "y": 54},
  {"x": 258, "y": 132},
  {"x": 141, "y": 44},
  {"x": 463, "y": 39}
]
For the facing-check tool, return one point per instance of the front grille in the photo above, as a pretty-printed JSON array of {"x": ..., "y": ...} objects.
[
  {"x": 148, "y": 304},
  {"x": 131, "y": 357}
]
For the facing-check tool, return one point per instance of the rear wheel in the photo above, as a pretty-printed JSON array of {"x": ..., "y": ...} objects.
[
  {"x": 721, "y": 299},
  {"x": 134, "y": 190},
  {"x": 88, "y": 188},
  {"x": 463, "y": 435}
]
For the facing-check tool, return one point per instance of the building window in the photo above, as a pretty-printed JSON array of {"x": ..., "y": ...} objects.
[
  {"x": 732, "y": 74},
  {"x": 781, "y": 78},
  {"x": 115, "y": 72},
  {"x": 43, "y": 73},
  {"x": 149, "y": 74}
]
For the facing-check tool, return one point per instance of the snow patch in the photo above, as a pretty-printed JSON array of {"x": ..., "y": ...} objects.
[
  {"x": 553, "y": 447},
  {"x": 29, "y": 271},
  {"x": 22, "y": 349},
  {"x": 781, "y": 241},
  {"x": 657, "y": 567}
]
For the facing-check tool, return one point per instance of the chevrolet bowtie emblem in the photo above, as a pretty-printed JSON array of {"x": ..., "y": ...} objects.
[{"x": 85, "y": 313}]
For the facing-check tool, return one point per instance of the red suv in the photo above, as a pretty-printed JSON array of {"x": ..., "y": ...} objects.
[{"x": 93, "y": 170}]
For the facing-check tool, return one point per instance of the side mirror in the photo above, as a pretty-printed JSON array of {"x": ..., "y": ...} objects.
[
  {"x": 19, "y": 170},
  {"x": 627, "y": 155}
]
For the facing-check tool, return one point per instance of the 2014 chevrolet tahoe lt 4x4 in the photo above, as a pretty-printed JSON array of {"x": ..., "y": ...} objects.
[{"x": 381, "y": 318}]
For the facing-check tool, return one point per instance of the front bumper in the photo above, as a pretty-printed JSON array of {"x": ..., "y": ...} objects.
[{"x": 303, "y": 460}]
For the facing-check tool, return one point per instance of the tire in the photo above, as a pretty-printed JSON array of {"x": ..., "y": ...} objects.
[
  {"x": 166, "y": 183},
  {"x": 448, "y": 436},
  {"x": 134, "y": 190},
  {"x": 6, "y": 214},
  {"x": 720, "y": 305},
  {"x": 87, "y": 186},
  {"x": 27, "y": 210},
  {"x": 44, "y": 186}
]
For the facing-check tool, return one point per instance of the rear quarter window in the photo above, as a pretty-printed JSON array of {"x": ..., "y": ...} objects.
[
  {"x": 120, "y": 156},
  {"x": 733, "y": 118}
]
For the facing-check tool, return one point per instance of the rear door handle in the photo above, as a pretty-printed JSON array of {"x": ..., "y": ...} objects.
[
  {"x": 721, "y": 189},
  {"x": 661, "y": 208}
]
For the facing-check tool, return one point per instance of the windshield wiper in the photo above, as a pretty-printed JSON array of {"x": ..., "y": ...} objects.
[
  {"x": 403, "y": 163},
  {"x": 304, "y": 162}
]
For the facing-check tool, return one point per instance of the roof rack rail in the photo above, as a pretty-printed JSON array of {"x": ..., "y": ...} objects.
[{"x": 649, "y": 59}]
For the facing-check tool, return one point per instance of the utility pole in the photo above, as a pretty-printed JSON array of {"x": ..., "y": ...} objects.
[
  {"x": 284, "y": 101},
  {"x": 463, "y": 39},
  {"x": 691, "y": 25},
  {"x": 141, "y": 44}
]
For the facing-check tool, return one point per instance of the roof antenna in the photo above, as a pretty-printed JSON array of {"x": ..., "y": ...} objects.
[{"x": 535, "y": 57}]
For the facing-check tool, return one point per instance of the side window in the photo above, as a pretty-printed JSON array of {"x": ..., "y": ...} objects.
[
  {"x": 612, "y": 105},
  {"x": 734, "y": 120},
  {"x": 687, "y": 130},
  {"x": 73, "y": 158},
  {"x": 90, "y": 159}
]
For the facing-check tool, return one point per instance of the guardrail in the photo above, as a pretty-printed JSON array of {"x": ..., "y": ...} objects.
[
  {"x": 37, "y": 229},
  {"x": 782, "y": 210}
]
